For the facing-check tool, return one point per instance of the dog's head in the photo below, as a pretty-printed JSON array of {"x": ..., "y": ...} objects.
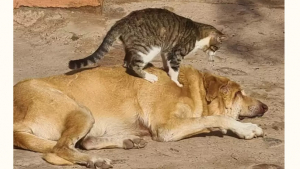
[{"x": 225, "y": 97}]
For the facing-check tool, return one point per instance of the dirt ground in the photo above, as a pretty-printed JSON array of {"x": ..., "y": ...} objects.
[{"x": 46, "y": 39}]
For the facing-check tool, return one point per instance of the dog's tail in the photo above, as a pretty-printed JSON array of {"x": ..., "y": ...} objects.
[
  {"x": 54, "y": 159},
  {"x": 112, "y": 35}
]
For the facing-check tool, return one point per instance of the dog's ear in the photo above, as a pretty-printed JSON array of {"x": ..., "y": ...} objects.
[
  {"x": 225, "y": 89},
  {"x": 228, "y": 91},
  {"x": 212, "y": 85},
  {"x": 211, "y": 91}
]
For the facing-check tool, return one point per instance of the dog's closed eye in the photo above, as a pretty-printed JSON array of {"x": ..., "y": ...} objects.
[{"x": 237, "y": 94}]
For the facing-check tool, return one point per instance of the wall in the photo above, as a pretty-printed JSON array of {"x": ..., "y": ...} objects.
[{"x": 57, "y": 3}]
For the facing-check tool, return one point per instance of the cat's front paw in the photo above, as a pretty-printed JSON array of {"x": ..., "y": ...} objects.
[
  {"x": 151, "y": 78},
  {"x": 178, "y": 84}
]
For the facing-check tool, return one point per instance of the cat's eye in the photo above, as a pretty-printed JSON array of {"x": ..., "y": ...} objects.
[{"x": 214, "y": 48}]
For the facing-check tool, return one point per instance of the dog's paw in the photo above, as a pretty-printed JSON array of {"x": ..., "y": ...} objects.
[
  {"x": 134, "y": 143},
  {"x": 249, "y": 131},
  {"x": 151, "y": 78},
  {"x": 102, "y": 163}
]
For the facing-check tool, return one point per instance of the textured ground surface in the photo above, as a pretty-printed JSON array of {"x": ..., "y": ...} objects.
[{"x": 46, "y": 39}]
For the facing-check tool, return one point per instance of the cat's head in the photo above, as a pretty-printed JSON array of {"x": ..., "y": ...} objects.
[{"x": 216, "y": 37}]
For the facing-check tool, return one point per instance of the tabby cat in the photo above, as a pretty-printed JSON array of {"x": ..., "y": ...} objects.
[{"x": 147, "y": 32}]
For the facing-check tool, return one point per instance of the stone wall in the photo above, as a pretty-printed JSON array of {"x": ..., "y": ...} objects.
[
  {"x": 79, "y": 3},
  {"x": 57, "y": 3}
]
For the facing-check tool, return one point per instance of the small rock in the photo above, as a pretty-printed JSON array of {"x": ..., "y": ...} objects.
[
  {"x": 168, "y": 8},
  {"x": 173, "y": 149},
  {"x": 242, "y": 48},
  {"x": 119, "y": 9},
  {"x": 278, "y": 126},
  {"x": 231, "y": 71},
  {"x": 74, "y": 37},
  {"x": 119, "y": 161},
  {"x": 53, "y": 17},
  {"x": 266, "y": 166},
  {"x": 242, "y": 13},
  {"x": 272, "y": 142},
  {"x": 28, "y": 18}
]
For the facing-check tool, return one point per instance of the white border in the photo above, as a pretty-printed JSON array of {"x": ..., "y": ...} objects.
[
  {"x": 292, "y": 84},
  {"x": 6, "y": 84}
]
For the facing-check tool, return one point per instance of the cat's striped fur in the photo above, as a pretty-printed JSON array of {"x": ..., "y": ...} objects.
[{"x": 147, "y": 32}]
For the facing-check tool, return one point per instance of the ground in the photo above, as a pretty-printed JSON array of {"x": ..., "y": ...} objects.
[{"x": 45, "y": 39}]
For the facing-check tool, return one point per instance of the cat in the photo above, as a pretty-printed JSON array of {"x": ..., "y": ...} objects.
[{"x": 148, "y": 32}]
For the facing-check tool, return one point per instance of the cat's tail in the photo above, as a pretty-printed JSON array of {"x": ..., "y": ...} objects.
[{"x": 111, "y": 36}]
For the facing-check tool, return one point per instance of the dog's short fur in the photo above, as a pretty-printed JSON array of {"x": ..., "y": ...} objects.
[{"x": 107, "y": 108}]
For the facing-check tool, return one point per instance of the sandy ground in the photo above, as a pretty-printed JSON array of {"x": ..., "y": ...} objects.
[{"x": 46, "y": 39}]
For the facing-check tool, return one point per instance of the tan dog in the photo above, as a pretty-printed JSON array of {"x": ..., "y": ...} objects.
[{"x": 107, "y": 108}]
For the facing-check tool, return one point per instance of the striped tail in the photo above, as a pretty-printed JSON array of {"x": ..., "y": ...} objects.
[{"x": 111, "y": 36}]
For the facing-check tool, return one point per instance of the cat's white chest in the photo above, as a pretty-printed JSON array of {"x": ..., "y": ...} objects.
[
  {"x": 150, "y": 55},
  {"x": 201, "y": 44}
]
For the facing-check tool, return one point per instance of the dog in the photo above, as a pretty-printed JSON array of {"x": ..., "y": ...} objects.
[{"x": 104, "y": 107}]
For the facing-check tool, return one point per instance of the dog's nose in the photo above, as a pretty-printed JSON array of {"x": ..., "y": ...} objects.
[{"x": 264, "y": 108}]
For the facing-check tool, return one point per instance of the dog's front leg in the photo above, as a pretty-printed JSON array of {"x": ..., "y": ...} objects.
[{"x": 179, "y": 128}]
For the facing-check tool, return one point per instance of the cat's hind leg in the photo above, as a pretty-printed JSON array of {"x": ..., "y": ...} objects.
[
  {"x": 126, "y": 58},
  {"x": 164, "y": 60},
  {"x": 138, "y": 61}
]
